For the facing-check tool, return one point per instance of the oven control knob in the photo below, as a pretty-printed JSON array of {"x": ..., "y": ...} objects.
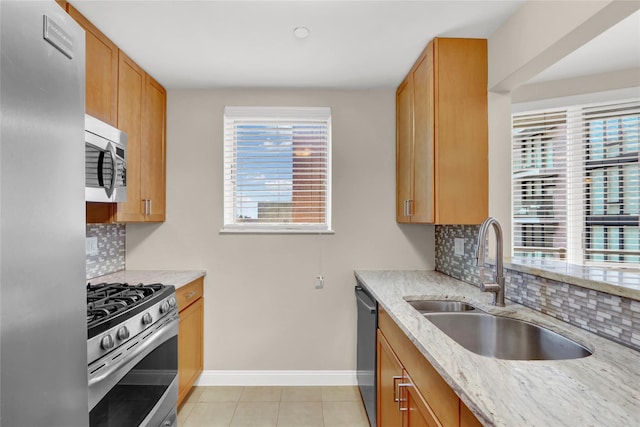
[
  {"x": 107, "y": 342},
  {"x": 172, "y": 302},
  {"x": 147, "y": 319},
  {"x": 164, "y": 307},
  {"x": 123, "y": 333}
]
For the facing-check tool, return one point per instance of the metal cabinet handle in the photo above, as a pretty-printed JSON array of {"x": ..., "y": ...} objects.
[
  {"x": 396, "y": 397},
  {"x": 148, "y": 206},
  {"x": 400, "y": 399},
  {"x": 190, "y": 295},
  {"x": 408, "y": 207}
]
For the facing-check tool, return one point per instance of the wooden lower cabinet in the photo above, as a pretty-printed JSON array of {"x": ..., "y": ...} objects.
[
  {"x": 390, "y": 372},
  {"x": 190, "y": 336},
  {"x": 399, "y": 402},
  {"x": 416, "y": 411},
  {"x": 467, "y": 419},
  {"x": 410, "y": 391}
]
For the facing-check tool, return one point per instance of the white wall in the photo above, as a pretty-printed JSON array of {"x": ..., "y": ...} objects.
[{"x": 261, "y": 309}]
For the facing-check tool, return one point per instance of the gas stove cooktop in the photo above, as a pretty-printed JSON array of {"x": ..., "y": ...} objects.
[{"x": 109, "y": 304}]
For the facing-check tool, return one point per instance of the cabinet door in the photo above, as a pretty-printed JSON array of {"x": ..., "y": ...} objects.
[
  {"x": 416, "y": 411},
  {"x": 404, "y": 148},
  {"x": 461, "y": 130},
  {"x": 154, "y": 150},
  {"x": 467, "y": 419},
  {"x": 390, "y": 374},
  {"x": 131, "y": 84},
  {"x": 101, "y": 71},
  {"x": 190, "y": 347},
  {"x": 423, "y": 140}
]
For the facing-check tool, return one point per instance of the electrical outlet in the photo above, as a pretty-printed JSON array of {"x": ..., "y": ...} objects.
[
  {"x": 91, "y": 246},
  {"x": 319, "y": 282},
  {"x": 459, "y": 246}
]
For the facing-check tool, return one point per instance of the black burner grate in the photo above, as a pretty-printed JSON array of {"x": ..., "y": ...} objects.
[{"x": 108, "y": 300}]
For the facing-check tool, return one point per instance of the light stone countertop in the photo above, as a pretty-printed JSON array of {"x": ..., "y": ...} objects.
[
  {"x": 600, "y": 390},
  {"x": 177, "y": 278}
]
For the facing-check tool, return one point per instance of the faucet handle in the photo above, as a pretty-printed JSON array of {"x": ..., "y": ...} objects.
[{"x": 490, "y": 287}]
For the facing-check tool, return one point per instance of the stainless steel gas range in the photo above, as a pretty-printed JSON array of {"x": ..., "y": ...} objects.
[{"x": 132, "y": 353}]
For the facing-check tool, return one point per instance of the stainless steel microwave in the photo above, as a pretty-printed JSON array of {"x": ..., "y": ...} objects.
[{"x": 105, "y": 162}]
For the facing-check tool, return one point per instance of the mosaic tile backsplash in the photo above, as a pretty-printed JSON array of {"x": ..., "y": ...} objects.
[
  {"x": 462, "y": 267},
  {"x": 613, "y": 317},
  {"x": 111, "y": 249}
]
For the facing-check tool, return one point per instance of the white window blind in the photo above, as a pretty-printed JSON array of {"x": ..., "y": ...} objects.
[
  {"x": 576, "y": 184},
  {"x": 277, "y": 169}
]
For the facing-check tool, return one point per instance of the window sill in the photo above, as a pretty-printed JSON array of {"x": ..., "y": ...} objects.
[
  {"x": 620, "y": 282},
  {"x": 273, "y": 231}
]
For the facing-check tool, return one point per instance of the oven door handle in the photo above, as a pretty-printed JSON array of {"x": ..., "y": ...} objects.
[{"x": 106, "y": 372}]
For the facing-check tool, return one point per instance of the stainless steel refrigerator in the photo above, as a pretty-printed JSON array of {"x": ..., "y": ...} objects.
[{"x": 43, "y": 353}]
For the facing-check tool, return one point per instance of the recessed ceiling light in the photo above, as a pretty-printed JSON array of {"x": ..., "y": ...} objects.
[{"x": 301, "y": 32}]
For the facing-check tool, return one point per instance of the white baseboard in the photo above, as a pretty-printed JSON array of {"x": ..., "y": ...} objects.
[{"x": 277, "y": 378}]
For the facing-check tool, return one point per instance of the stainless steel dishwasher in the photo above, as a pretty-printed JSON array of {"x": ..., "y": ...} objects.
[{"x": 366, "y": 359}]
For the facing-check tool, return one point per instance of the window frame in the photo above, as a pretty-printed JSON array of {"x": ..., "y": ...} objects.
[{"x": 262, "y": 114}]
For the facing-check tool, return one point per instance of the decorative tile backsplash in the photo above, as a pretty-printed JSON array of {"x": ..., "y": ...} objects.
[
  {"x": 613, "y": 317},
  {"x": 609, "y": 316},
  {"x": 111, "y": 249},
  {"x": 462, "y": 267}
]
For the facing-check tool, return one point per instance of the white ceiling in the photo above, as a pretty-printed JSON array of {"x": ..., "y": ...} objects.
[
  {"x": 615, "y": 49},
  {"x": 353, "y": 44}
]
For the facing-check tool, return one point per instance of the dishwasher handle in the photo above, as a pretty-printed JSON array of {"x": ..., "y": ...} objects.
[{"x": 359, "y": 291}]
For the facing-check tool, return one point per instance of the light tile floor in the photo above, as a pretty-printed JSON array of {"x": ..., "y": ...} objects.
[{"x": 273, "y": 407}]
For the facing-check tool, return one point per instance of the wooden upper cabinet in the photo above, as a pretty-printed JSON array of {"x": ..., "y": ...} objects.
[
  {"x": 422, "y": 208},
  {"x": 122, "y": 94},
  {"x": 141, "y": 114},
  {"x": 404, "y": 149},
  {"x": 101, "y": 99},
  {"x": 153, "y": 164},
  {"x": 448, "y": 137},
  {"x": 131, "y": 86}
]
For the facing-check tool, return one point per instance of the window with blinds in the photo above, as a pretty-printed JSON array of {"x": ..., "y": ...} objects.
[
  {"x": 575, "y": 184},
  {"x": 277, "y": 169}
]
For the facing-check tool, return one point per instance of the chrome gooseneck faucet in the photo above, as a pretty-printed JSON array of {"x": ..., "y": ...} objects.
[{"x": 498, "y": 287}]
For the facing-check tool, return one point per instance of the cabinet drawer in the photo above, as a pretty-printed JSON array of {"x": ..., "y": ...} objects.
[
  {"x": 431, "y": 386},
  {"x": 190, "y": 293}
]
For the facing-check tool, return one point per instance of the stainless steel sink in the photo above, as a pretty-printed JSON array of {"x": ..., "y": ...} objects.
[
  {"x": 435, "y": 306},
  {"x": 506, "y": 338}
]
